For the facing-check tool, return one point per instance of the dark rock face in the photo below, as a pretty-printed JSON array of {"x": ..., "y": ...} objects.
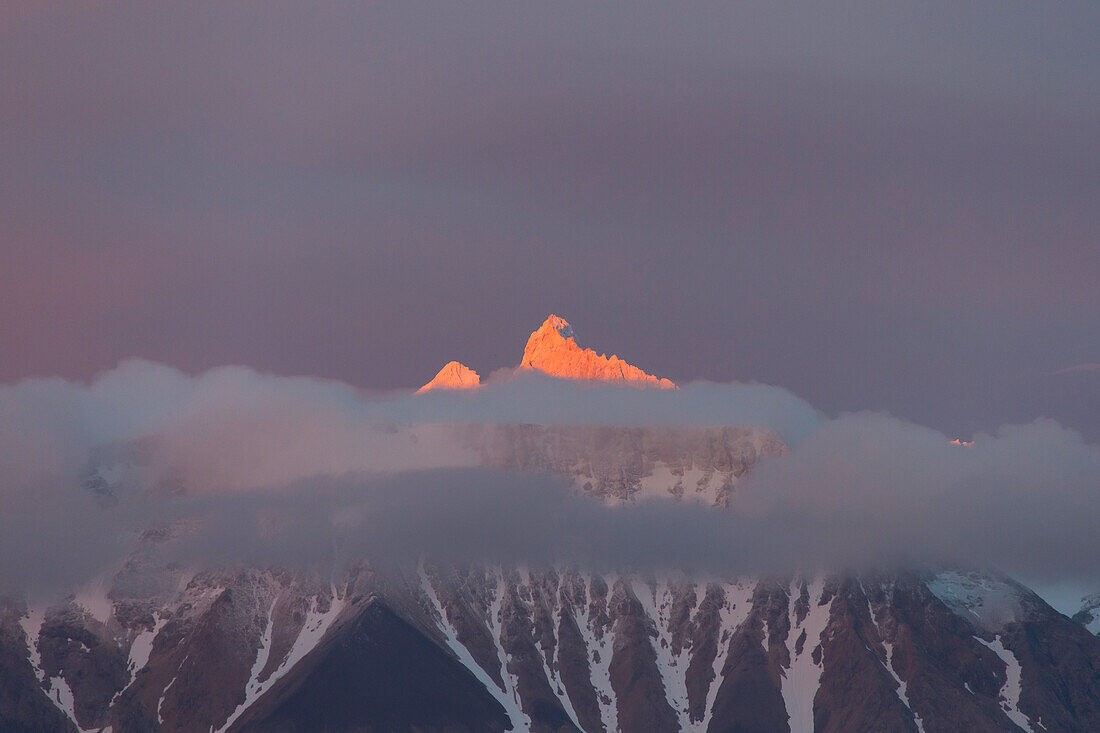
[
  {"x": 87, "y": 655},
  {"x": 857, "y": 691},
  {"x": 24, "y": 704},
  {"x": 376, "y": 672},
  {"x": 1061, "y": 672},
  {"x": 952, "y": 678},
  {"x": 643, "y": 702},
  {"x": 576, "y": 679},
  {"x": 705, "y": 639},
  {"x": 201, "y": 660},
  {"x": 465, "y": 602},
  {"x": 517, "y": 639},
  {"x": 749, "y": 697}
]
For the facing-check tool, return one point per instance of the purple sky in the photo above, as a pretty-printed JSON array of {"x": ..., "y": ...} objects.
[{"x": 878, "y": 206}]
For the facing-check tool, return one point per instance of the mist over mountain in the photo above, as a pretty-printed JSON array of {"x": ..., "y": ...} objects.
[
  {"x": 858, "y": 489},
  {"x": 570, "y": 544}
]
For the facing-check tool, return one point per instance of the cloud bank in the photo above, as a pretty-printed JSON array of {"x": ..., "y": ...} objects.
[{"x": 298, "y": 471}]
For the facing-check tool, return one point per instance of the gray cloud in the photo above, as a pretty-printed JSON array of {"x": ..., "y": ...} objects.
[
  {"x": 311, "y": 472},
  {"x": 865, "y": 492}
]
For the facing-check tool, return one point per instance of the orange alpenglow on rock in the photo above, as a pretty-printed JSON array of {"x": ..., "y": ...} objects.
[
  {"x": 552, "y": 349},
  {"x": 454, "y": 375}
]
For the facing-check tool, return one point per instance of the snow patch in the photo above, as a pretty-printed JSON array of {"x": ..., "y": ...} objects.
[
  {"x": 988, "y": 601},
  {"x": 511, "y": 681},
  {"x": 1010, "y": 692},
  {"x": 140, "y": 649},
  {"x": 142, "y": 646},
  {"x": 802, "y": 679},
  {"x": 556, "y": 685},
  {"x": 732, "y": 614},
  {"x": 62, "y": 696},
  {"x": 1090, "y": 613},
  {"x": 164, "y": 693},
  {"x": 657, "y": 603},
  {"x": 599, "y": 658},
  {"x": 697, "y": 485},
  {"x": 59, "y": 692},
  {"x": 316, "y": 625},
  {"x": 510, "y": 705},
  {"x": 32, "y": 625},
  {"x": 903, "y": 686},
  {"x": 252, "y": 688}
]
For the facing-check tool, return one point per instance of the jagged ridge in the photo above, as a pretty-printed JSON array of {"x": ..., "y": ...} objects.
[{"x": 552, "y": 349}]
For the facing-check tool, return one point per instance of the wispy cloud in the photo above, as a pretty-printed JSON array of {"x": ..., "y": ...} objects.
[{"x": 1078, "y": 368}]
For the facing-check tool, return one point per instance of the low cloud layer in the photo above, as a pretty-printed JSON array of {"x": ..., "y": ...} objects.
[{"x": 269, "y": 470}]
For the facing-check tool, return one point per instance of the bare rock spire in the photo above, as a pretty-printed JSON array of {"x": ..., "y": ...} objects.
[{"x": 553, "y": 349}]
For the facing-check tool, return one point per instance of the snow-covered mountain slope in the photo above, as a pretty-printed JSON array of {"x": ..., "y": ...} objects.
[
  {"x": 435, "y": 647},
  {"x": 432, "y": 647}
]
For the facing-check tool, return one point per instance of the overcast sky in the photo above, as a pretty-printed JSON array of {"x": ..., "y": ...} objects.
[{"x": 877, "y": 206}]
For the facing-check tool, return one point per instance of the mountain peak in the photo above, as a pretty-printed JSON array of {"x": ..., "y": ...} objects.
[
  {"x": 558, "y": 324},
  {"x": 553, "y": 350},
  {"x": 454, "y": 375}
]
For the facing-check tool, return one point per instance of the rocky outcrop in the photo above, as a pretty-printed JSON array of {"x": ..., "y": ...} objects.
[
  {"x": 454, "y": 375},
  {"x": 857, "y": 690},
  {"x": 1089, "y": 613},
  {"x": 202, "y": 657},
  {"x": 552, "y": 349},
  {"x": 88, "y": 655},
  {"x": 25, "y": 705},
  {"x": 1059, "y": 670}
]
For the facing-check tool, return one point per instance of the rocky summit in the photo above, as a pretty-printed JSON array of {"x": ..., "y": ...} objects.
[
  {"x": 552, "y": 349},
  {"x": 454, "y": 375}
]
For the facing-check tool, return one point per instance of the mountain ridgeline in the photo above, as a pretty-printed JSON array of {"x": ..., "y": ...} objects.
[{"x": 428, "y": 644}]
